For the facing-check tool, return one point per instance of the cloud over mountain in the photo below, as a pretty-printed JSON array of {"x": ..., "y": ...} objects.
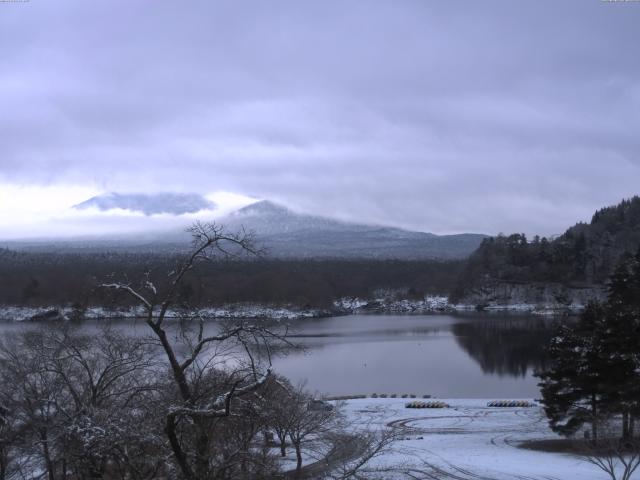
[
  {"x": 149, "y": 203},
  {"x": 448, "y": 116}
]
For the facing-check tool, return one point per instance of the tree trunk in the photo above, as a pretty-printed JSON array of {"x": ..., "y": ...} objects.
[
  {"x": 632, "y": 425},
  {"x": 47, "y": 455},
  {"x": 95, "y": 472},
  {"x": 625, "y": 425},
  {"x": 282, "y": 437},
  {"x": 4, "y": 461},
  {"x": 594, "y": 422},
  {"x": 202, "y": 457},
  {"x": 178, "y": 453},
  {"x": 298, "y": 448},
  {"x": 170, "y": 426},
  {"x": 178, "y": 373}
]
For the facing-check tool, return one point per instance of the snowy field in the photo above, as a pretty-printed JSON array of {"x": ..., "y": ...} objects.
[{"x": 468, "y": 441}]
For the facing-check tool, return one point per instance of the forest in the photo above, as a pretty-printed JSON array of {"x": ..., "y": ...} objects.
[
  {"x": 585, "y": 254},
  {"x": 57, "y": 279}
]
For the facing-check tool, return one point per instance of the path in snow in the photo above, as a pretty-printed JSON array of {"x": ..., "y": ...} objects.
[{"x": 468, "y": 441}]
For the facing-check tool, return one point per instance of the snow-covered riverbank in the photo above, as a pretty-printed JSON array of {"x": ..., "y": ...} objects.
[
  {"x": 20, "y": 313},
  {"x": 343, "y": 306},
  {"x": 434, "y": 304},
  {"x": 469, "y": 440}
]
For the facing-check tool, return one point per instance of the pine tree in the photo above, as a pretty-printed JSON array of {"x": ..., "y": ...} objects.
[
  {"x": 621, "y": 341},
  {"x": 595, "y": 372},
  {"x": 573, "y": 389}
]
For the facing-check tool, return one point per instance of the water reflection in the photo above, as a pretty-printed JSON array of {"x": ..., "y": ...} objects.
[
  {"x": 506, "y": 346},
  {"x": 444, "y": 355}
]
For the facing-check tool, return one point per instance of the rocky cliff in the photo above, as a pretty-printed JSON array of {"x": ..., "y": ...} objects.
[{"x": 534, "y": 296}]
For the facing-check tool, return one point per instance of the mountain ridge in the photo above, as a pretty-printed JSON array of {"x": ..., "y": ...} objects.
[
  {"x": 289, "y": 234},
  {"x": 284, "y": 233}
]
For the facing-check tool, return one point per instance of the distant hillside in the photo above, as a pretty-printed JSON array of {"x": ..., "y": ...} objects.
[
  {"x": 581, "y": 258},
  {"x": 287, "y": 234},
  {"x": 283, "y": 233}
]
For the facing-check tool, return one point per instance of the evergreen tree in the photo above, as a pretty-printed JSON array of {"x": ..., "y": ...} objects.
[
  {"x": 595, "y": 372},
  {"x": 573, "y": 389},
  {"x": 621, "y": 341}
]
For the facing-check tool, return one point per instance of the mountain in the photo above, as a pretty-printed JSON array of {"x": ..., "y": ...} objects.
[
  {"x": 282, "y": 232},
  {"x": 572, "y": 267},
  {"x": 149, "y": 204},
  {"x": 285, "y": 233}
]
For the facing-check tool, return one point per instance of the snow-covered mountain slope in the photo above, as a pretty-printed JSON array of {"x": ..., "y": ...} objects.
[
  {"x": 285, "y": 233},
  {"x": 281, "y": 232}
]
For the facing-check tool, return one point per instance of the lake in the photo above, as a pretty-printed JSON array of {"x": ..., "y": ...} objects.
[{"x": 454, "y": 356}]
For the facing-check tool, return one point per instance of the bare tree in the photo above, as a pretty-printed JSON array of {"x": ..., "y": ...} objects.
[
  {"x": 188, "y": 422},
  {"x": 279, "y": 389},
  {"x": 310, "y": 421},
  {"x": 31, "y": 402},
  {"x": 76, "y": 399},
  {"x": 360, "y": 451},
  {"x": 190, "y": 400},
  {"x": 9, "y": 434},
  {"x": 619, "y": 459}
]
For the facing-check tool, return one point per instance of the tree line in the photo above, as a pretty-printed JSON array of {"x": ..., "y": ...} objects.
[
  {"x": 52, "y": 279},
  {"x": 586, "y": 253}
]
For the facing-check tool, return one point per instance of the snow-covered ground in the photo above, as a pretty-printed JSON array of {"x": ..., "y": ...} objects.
[
  {"x": 22, "y": 313},
  {"x": 385, "y": 303},
  {"x": 468, "y": 441},
  {"x": 310, "y": 454},
  {"x": 390, "y": 303}
]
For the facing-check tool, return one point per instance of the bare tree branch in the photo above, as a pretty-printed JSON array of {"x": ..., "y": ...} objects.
[{"x": 130, "y": 291}]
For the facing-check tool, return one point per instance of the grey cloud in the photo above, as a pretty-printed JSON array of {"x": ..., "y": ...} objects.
[{"x": 442, "y": 116}]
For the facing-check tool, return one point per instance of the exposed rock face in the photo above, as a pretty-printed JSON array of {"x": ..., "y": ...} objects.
[
  {"x": 532, "y": 296},
  {"x": 393, "y": 304}
]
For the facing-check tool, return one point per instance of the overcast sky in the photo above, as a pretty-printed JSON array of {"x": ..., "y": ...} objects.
[{"x": 442, "y": 116}]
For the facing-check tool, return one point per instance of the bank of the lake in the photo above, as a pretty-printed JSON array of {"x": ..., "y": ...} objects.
[{"x": 385, "y": 304}]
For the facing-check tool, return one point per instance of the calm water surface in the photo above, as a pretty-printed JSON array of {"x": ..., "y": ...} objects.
[
  {"x": 481, "y": 356},
  {"x": 442, "y": 355}
]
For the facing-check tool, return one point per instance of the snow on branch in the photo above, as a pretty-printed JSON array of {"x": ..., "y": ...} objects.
[
  {"x": 221, "y": 406},
  {"x": 130, "y": 291}
]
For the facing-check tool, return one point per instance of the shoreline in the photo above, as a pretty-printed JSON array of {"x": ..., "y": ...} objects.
[{"x": 341, "y": 307}]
